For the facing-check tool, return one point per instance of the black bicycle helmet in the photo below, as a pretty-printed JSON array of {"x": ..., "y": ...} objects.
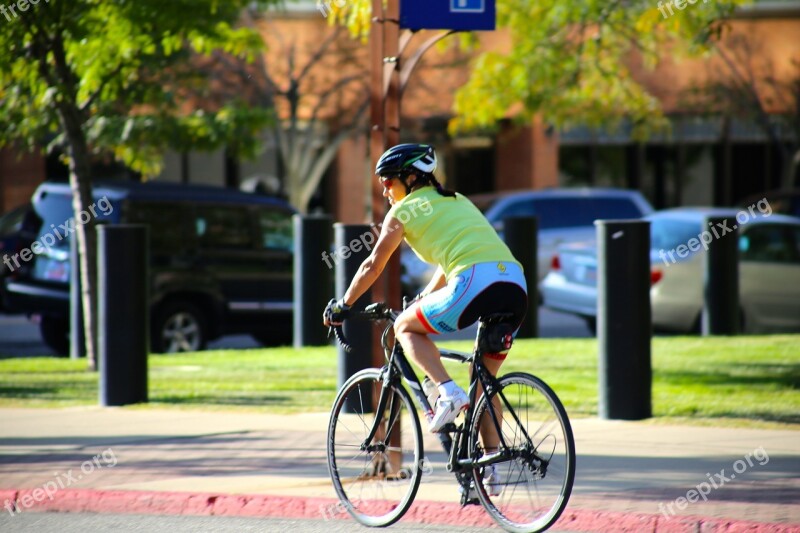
[{"x": 406, "y": 159}]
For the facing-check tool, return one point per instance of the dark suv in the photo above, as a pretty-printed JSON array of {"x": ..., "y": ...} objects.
[
  {"x": 18, "y": 229},
  {"x": 221, "y": 262}
]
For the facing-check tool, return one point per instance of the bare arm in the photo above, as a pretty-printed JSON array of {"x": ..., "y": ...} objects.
[
  {"x": 437, "y": 281},
  {"x": 388, "y": 241}
]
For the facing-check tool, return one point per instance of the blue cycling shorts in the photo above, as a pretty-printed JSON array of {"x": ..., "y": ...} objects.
[{"x": 484, "y": 288}]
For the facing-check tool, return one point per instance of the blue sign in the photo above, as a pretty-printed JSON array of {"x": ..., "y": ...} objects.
[
  {"x": 447, "y": 14},
  {"x": 467, "y": 6}
]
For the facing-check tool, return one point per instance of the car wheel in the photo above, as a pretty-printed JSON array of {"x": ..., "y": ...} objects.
[
  {"x": 55, "y": 334},
  {"x": 179, "y": 327}
]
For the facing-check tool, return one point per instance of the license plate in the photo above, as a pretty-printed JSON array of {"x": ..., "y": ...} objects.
[{"x": 57, "y": 272}]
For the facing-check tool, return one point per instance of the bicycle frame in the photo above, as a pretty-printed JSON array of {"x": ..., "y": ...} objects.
[
  {"x": 398, "y": 366},
  {"x": 475, "y": 447}
]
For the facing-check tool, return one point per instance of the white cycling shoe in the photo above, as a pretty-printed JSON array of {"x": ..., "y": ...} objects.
[
  {"x": 448, "y": 409},
  {"x": 492, "y": 482}
]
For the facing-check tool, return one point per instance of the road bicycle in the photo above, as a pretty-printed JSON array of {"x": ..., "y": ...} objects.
[{"x": 375, "y": 446}]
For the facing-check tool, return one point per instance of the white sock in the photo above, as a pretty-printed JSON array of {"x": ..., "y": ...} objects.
[{"x": 448, "y": 389}]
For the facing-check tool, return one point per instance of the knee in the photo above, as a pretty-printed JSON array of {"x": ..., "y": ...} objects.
[
  {"x": 404, "y": 326},
  {"x": 401, "y": 326}
]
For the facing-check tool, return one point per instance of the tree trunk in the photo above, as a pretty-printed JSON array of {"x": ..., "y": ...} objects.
[
  {"x": 296, "y": 192},
  {"x": 80, "y": 184}
]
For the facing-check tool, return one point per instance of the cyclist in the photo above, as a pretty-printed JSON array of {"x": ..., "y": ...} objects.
[{"x": 476, "y": 274}]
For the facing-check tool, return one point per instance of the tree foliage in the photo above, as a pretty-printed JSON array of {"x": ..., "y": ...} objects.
[
  {"x": 317, "y": 89},
  {"x": 108, "y": 76},
  {"x": 125, "y": 67},
  {"x": 570, "y": 60}
]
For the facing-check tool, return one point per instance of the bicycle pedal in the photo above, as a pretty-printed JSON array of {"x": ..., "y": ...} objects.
[{"x": 469, "y": 501}]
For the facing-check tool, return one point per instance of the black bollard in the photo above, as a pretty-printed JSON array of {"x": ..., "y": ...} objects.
[
  {"x": 624, "y": 327},
  {"x": 77, "y": 334},
  {"x": 123, "y": 313},
  {"x": 313, "y": 278},
  {"x": 721, "y": 277},
  {"x": 353, "y": 244},
  {"x": 521, "y": 236}
]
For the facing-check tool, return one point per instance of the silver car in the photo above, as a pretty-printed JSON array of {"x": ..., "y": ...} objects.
[
  {"x": 565, "y": 216},
  {"x": 769, "y": 272}
]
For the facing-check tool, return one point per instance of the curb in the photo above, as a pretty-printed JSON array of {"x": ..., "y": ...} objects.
[{"x": 423, "y": 512}]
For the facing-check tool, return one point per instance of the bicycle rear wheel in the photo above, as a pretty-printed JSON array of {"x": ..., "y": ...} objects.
[
  {"x": 535, "y": 484},
  {"x": 375, "y": 485}
]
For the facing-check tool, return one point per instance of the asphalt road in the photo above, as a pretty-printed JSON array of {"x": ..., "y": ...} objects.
[
  {"x": 19, "y": 336},
  {"x": 82, "y": 522}
]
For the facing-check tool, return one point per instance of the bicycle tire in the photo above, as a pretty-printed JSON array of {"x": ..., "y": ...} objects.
[
  {"x": 548, "y": 462},
  {"x": 355, "y": 471}
]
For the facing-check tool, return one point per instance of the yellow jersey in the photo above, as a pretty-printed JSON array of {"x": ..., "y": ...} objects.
[{"x": 448, "y": 231}]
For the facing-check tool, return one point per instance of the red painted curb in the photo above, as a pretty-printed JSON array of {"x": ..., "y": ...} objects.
[{"x": 424, "y": 512}]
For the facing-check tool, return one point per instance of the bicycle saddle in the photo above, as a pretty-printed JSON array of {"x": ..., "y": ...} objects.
[
  {"x": 496, "y": 332},
  {"x": 497, "y": 318}
]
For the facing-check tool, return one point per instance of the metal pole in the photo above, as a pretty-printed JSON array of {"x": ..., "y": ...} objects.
[
  {"x": 123, "y": 308},
  {"x": 624, "y": 326},
  {"x": 377, "y": 139},
  {"x": 521, "y": 237},
  {"x": 721, "y": 278},
  {"x": 353, "y": 244},
  {"x": 313, "y": 277},
  {"x": 77, "y": 334},
  {"x": 392, "y": 133}
]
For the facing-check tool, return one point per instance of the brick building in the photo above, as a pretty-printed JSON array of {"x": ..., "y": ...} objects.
[{"x": 707, "y": 159}]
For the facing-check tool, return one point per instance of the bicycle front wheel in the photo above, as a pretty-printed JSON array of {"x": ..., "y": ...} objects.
[
  {"x": 375, "y": 481},
  {"x": 529, "y": 491}
]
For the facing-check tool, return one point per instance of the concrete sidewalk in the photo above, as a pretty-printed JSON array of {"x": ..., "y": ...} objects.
[{"x": 630, "y": 474}]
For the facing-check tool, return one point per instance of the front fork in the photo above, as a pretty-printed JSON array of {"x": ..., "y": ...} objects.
[{"x": 391, "y": 373}]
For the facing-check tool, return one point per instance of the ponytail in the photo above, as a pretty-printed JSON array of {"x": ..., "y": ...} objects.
[
  {"x": 426, "y": 179},
  {"x": 441, "y": 190}
]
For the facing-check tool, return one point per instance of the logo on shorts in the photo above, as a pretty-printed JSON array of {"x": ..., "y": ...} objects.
[
  {"x": 444, "y": 327},
  {"x": 501, "y": 267}
]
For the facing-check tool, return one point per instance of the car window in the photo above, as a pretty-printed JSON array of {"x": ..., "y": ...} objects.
[
  {"x": 55, "y": 215},
  {"x": 571, "y": 212},
  {"x": 276, "y": 230},
  {"x": 668, "y": 234},
  {"x": 55, "y": 210},
  {"x": 767, "y": 243},
  {"x": 223, "y": 227},
  {"x": 166, "y": 222}
]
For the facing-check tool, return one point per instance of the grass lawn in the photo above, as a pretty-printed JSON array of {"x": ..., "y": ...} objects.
[{"x": 731, "y": 381}]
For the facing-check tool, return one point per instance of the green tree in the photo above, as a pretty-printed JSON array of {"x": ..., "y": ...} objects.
[
  {"x": 569, "y": 61},
  {"x": 318, "y": 92},
  {"x": 109, "y": 77}
]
